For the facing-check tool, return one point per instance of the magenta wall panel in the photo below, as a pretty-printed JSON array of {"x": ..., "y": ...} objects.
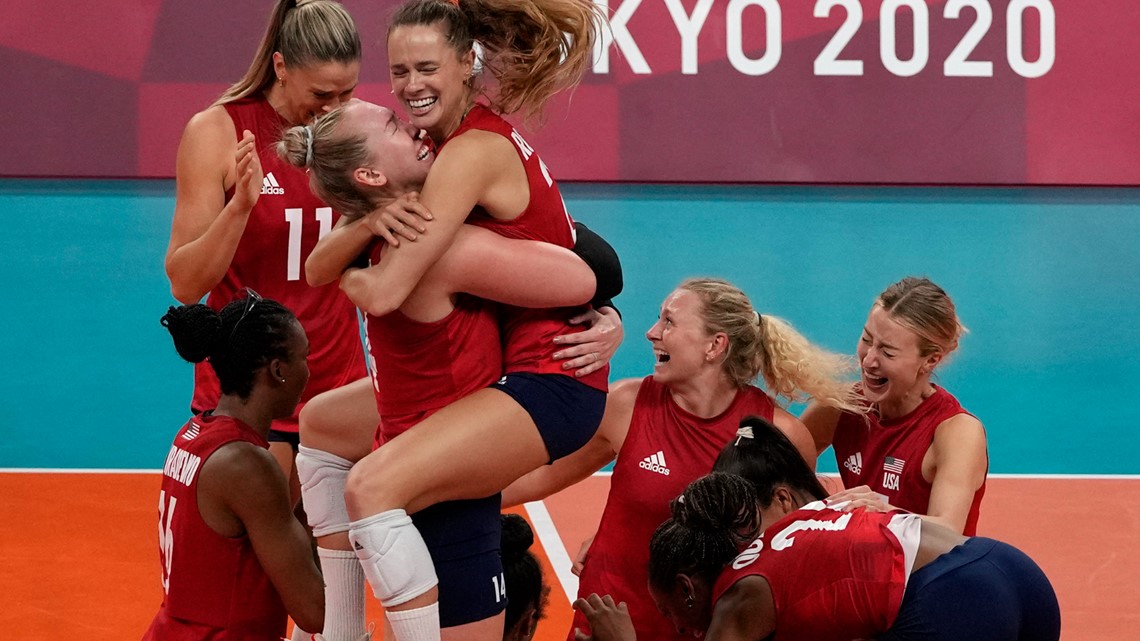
[{"x": 846, "y": 91}]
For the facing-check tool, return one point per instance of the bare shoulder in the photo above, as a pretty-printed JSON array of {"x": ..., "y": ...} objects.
[
  {"x": 747, "y": 609},
  {"x": 619, "y": 412},
  {"x": 214, "y": 123},
  {"x": 243, "y": 467},
  {"x": 624, "y": 392},
  {"x": 961, "y": 433},
  {"x": 797, "y": 433},
  {"x": 207, "y": 145},
  {"x": 478, "y": 149}
]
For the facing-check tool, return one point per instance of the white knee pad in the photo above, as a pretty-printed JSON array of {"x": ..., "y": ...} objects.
[
  {"x": 394, "y": 557},
  {"x": 323, "y": 477}
]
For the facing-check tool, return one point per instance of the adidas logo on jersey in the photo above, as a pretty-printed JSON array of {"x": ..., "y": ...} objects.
[
  {"x": 854, "y": 463},
  {"x": 269, "y": 185},
  {"x": 655, "y": 463}
]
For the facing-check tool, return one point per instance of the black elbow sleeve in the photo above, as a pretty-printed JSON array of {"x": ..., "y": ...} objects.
[{"x": 603, "y": 261}]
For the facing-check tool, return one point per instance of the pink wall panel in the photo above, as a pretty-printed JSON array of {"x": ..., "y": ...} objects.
[{"x": 105, "y": 90}]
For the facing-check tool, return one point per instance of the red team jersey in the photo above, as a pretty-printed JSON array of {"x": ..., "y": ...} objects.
[
  {"x": 282, "y": 230},
  {"x": 529, "y": 333},
  {"x": 666, "y": 448},
  {"x": 834, "y": 575},
  {"x": 419, "y": 367},
  {"x": 214, "y": 587},
  {"x": 887, "y": 455}
]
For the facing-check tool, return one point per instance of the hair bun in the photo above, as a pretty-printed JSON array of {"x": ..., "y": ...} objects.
[
  {"x": 196, "y": 330},
  {"x": 517, "y": 535}
]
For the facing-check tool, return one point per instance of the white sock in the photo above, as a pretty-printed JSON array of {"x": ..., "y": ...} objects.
[
  {"x": 344, "y": 595},
  {"x": 300, "y": 635},
  {"x": 420, "y": 624}
]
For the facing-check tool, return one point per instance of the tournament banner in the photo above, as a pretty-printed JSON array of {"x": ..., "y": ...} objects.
[{"x": 958, "y": 92}]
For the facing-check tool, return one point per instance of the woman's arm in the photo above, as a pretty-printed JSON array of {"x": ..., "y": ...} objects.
[
  {"x": 745, "y": 612},
  {"x": 525, "y": 273},
  {"x": 349, "y": 238},
  {"x": 958, "y": 467},
  {"x": 474, "y": 169},
  {"x": 206, "y": 230},
  {"x": 798, "y": 434},
  {"x": 601, "y": 449},
  {"x": 247, "y": 481},
  {"x": 336, "y": 251},
  {"x": 821, "y": 421}
]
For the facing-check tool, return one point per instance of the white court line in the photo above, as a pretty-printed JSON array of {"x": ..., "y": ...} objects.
[{"x": 555, "y": 549}]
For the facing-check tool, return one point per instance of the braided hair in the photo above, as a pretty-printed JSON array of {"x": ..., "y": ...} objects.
[
  {"x": 711, "y": 520},
  {"x": 243, "y": 337}
]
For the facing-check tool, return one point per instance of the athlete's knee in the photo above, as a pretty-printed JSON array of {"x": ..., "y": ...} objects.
[
  {"x": 364, "y": 483},
  {"x": 323, "y": 477},
  {"x": 394, "y": 557},
  {"x": 313, "y": 423}
]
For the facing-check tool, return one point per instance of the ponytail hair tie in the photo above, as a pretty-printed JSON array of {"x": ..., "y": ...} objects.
[
  {"x": 759, "y": 319},
  {"x": 308, "y": 146},
  {"x": 744, "y": 432}
]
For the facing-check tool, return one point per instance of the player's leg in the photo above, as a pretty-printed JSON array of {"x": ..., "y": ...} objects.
[
  {"x": 337, "y": 429},
  {"x": 472, "y": 448}
]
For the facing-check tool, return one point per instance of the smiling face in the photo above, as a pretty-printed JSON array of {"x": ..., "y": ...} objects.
[
  {"x": 680, "y": 341},
  {"x": 688, "y": 605},
  {"x": 894, "y": 371},
  {"x": 397, "y": 151},
  {"x": 429, "y": 77},
  {"x": 307, "y": 91}
]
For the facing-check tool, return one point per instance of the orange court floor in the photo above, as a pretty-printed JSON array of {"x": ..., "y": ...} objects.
[{"x": 79, "y": 557}]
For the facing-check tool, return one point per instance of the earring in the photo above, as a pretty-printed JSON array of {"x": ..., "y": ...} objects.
[
  {"x": 689, "y": 601},
  {"x": 280, "y": 81}
]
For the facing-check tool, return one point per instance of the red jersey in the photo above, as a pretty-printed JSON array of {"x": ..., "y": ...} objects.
[
  {"x": 834, "y": 575},
  {"x": 666, "y": 449},
  {"x": 282, "y": 230},
  {"x": 214, "y": 586},
  {"x": 419, "y": 367},
  {"x": 529, "y": 333},
  {"x": 886, "y": 455}
]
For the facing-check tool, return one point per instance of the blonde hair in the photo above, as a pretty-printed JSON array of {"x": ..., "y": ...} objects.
[
  {"x": 792, "y": 367},
  {"x": 305, "y": 32},
  {"x": 533, "y": 48},
  {"x": 331, "y": 155},
  {"x": 925, "y": 309}
]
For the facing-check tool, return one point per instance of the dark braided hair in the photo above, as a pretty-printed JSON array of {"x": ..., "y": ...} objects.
[
  {"x": 767, "y": 459},
  {"x": 236, "y": 342},
  {"x": 711, "y": 520},
  {"x": 523, "y": 574}
]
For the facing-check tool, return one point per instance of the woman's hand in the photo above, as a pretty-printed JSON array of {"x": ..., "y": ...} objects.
[
  {"x": 247, "y": 188},
  {"x": 580, "y": 560},
  {"x": 404, "y": 217},
  {"x": 861, "y": 496},
  {"x": 591, "y": 349},
  {"x": 609, "y": 621}
]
